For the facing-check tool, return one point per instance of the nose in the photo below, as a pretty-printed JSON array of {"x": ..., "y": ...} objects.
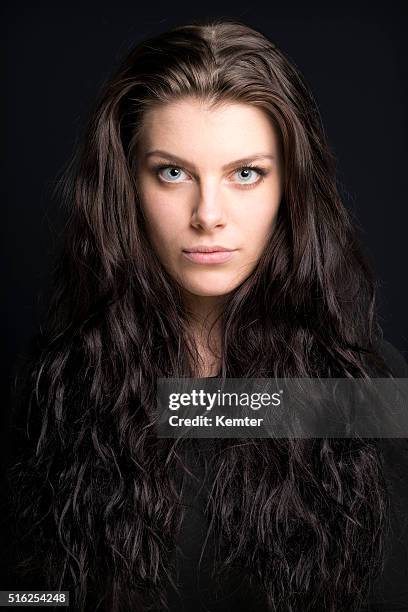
[{"x": 208, "y": 210}]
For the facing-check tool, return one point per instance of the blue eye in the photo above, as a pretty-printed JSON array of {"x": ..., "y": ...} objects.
[
  {"x": 173, "y": 173},
  {"x": 247, "y": 173}
]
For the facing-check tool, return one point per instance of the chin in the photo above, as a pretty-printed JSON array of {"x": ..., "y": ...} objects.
[{"x": 212, "y": 288}]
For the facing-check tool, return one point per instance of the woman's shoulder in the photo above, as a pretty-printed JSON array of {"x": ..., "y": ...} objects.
[
  {"x": 395, "y": 449},
  {"x": 390, "y": 592},
  {"x": 393, "y": 357}
]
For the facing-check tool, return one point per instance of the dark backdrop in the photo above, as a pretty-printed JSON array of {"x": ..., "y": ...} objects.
[{"x": 57, "y": 55}]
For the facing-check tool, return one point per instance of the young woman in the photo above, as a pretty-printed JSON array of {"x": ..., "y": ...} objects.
[{"x": 205, "y": 236}]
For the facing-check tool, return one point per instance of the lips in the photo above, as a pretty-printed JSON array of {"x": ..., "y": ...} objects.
[
  {"x": 211, "y": 255},
  {"x": 206, "y": 249}
]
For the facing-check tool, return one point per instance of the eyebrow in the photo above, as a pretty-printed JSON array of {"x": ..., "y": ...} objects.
[{"x": 179, "y": 160}]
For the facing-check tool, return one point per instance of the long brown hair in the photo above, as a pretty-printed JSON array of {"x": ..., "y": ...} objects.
[{"x": 96, "y": 489}]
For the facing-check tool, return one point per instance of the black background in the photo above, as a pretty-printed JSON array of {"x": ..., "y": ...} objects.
[{"x": 56, "y": 56}]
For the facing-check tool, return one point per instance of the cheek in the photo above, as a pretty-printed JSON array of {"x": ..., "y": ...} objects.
[
  {"x": 258, "y": 222},
  {"x": 163, "y": 228},
  {"x": 157, "y": 212}
]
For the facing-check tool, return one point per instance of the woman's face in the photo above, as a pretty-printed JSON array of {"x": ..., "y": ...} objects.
[{"x": 198, "y": 189}]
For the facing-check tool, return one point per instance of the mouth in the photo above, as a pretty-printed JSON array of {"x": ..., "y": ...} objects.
[
  {"x": 209, "y": 255},
  {"x": 203, "y": 248}
]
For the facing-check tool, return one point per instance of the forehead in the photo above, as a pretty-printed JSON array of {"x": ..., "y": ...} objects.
[{"x": 193, "y": 130}]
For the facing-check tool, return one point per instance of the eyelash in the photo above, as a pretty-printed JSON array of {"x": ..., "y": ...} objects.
[{"x": 260, "y": 171}]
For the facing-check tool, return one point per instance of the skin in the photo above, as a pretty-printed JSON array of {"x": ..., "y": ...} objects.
[{"x": 197, "y": 201}]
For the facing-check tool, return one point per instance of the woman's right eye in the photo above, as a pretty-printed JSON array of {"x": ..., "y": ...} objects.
[{"x": 169, "y": 174}]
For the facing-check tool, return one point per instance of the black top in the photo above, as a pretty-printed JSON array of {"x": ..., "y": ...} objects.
[
  {"x": 198, "y": 591},
  {"x": 235, "y": 594}
]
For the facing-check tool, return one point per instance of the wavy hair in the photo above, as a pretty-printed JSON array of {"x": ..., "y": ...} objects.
[{"x": 92, "y": 485}]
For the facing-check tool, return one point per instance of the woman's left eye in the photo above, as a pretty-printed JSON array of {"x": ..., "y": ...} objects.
[{"x": 250, "y": 175}]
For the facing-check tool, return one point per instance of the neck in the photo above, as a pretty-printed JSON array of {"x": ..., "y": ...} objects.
[{"x": 205, "y": 328}]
